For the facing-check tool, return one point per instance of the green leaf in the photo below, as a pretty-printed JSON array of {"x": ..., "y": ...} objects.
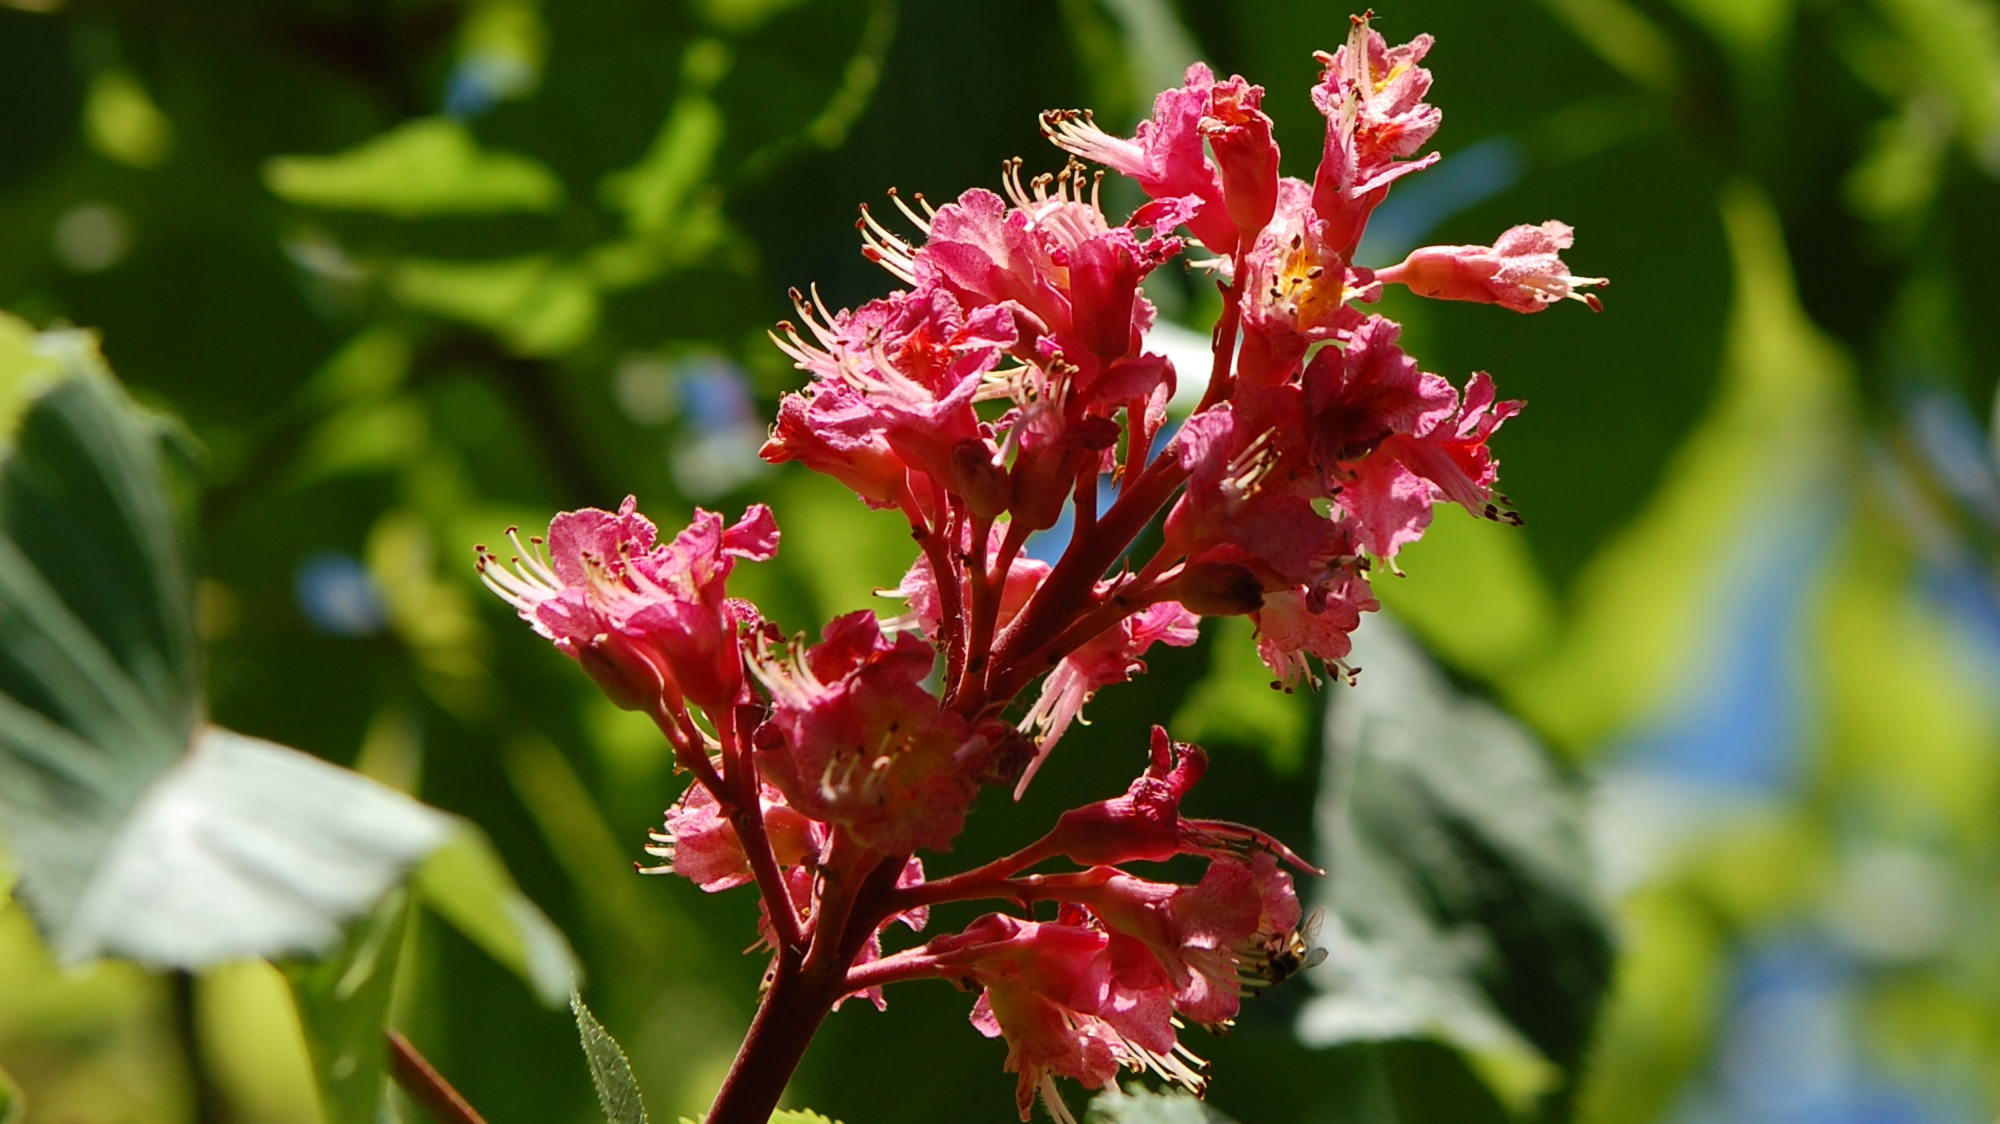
[
  {"x": 1234, "y": 703},
  {"x": 343, "y": 1005},
  {"x": 1136, "y": 1104},
  {"x": 427, "y": 167},
  {"x": 12, "y": 1105},
  {"x": 137, "y": 831},
  {"x": 617, "y": 1089},
  {"x": 121, "y": 122},
  {"x": 468, "y": 885},
  {"x": 535, "y": 305},
  {"x": 1459, "y": 900}
]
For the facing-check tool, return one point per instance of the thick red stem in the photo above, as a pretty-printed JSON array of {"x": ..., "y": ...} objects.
[
  {"x": 786, "y": 1021},
  {"x": 1069, "y": 589}
]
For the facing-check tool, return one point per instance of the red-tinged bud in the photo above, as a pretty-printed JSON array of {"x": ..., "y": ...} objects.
[
  {"x": 1523, "y": 270},
  {"x": 1103, "y": 277},
  {"x": 1218, "y": 589},
  {"x": 1144, "y": 824},
  {"x": 622, "y": 670},
  {"x": 984, "y": 485},
  {"x": 1240, "y": 137}
]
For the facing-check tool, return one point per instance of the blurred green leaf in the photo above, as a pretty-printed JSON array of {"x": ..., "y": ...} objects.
[
  {"x": 138, "y": 832},
  {"x": 1136, "y": 1104},
  {"x": 610, "y": 1071},
  {"x": 1774, "y": 430},
  {"x": 1749, "y": 27},
  {"x": 1957, "y": 44},
  {"x": 1624, "y": 37},
  {"x": 1235, "y": 704},
  {"x": 536, "y": 305},
  {"x": 1472, "y": 591},
  {"x": 343, "y": 1005},
  {"x": 652, "y": 193},
  {"x": 431, "y": 166},
  {"x": 503, "y": 43},
  {"x": 1459, "y": 898},
  {"x": 468, "y": 885},
  {"x": 121, "y": 122},
  {"x": 12, "y": 1106}
]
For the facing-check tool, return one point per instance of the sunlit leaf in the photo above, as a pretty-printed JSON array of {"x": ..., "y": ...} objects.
[
  {"x": 1459, "y": 897},
  {"x": 536, "y": 305},
  {"x": 1773, "y": 431},
  {"x": 121, "y": 122},
  {"x": 610, "y": 1071},
  {"x": 652, "y": 193},
  {"x": 12, "y": 1105},
  {"x": 466, "y": 883},
  {"x": 431, "y": 166},
  {"x": 343, "y": 1003}
]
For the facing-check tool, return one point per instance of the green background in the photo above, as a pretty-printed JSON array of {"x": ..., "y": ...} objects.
[{"x": 1753, "y": 605}]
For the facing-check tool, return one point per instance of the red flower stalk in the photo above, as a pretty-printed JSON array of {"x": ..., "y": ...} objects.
[{"x": 1005, "y": 388}]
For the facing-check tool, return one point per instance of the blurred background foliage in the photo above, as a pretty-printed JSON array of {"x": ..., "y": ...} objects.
[{"x": 413, "y": 271}]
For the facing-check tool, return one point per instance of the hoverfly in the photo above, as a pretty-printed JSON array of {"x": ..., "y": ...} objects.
[{"x": 1298, "y": 950}]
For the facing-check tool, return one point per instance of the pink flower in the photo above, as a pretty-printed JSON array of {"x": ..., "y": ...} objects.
[
  {"x": 1372, "y": 96},
  {"x": 1212, "y": 939},
  {"x": 1371, "y": 390},
  {"x": 1241, "y": 505},
  {"x": 1168, "y": 157},
  {"x": 701, "y": 845},
  {"x": 1290, "y": 628},
  {"x": 1070, "y": 999},
  {"x": 897, "y": 376},
  {"x": 1112, "y": 656},
  {"x": 1145, "y": 824},
  {"x": 854, "y": 739},
  {"x": 642, "y": 618},
  {"x": 1392, "y": 489},
  {"x": 1522, "y": 270},
  {"x": 1296, "y": 290}
]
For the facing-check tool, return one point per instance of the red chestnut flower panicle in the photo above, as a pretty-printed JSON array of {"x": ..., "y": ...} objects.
[{"x": 1005, "y": 387}]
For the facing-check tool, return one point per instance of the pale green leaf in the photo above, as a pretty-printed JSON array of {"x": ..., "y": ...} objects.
[
  {"x": 245, "y": 848},
  {"x": 431, "y": 166},
  {"x": 1459, "y": 898},
  {"x": 800, "y": 1116},
  {"x": 610, "y": 1071},
  {"x": 468, "y": 885},
  {"x": 138, "y": 832},
  {"x": 98, "y": 672}
]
